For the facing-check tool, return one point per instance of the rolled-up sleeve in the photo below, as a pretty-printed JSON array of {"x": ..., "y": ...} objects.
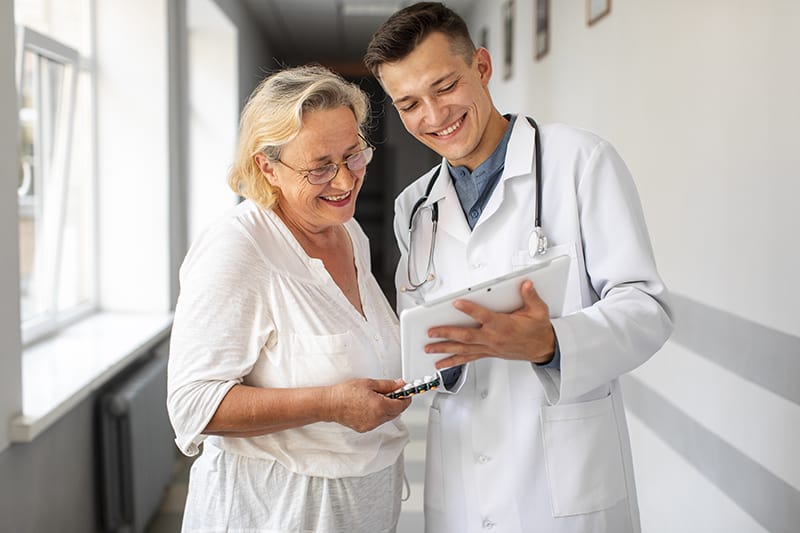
[{"x": 221, "y": 323}]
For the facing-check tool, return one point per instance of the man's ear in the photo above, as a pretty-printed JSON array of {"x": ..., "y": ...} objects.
[
  {"x": 483, "y": 62},
  {"x": 267, "y": 167}
]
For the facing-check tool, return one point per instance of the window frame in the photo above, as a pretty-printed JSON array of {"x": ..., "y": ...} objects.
[{"x": 48, "y": 264}]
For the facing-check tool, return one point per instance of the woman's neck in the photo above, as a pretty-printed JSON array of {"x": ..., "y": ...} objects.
[{"x": 312, "y": 238}]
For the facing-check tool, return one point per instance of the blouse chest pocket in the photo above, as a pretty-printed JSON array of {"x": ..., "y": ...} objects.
[{"x": 318, "y": 360}]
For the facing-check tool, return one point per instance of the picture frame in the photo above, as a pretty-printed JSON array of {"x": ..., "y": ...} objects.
[
  {"x": 541, "y": 34},
  {"x": 484, "y": 39},
  {"x": 508, "y": 39},
  {"x": 596, "y": 9}
]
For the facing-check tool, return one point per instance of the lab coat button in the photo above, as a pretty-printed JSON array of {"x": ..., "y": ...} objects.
[
  {"x": 476, "y": 266},
  {"x": 482, "y": 459},
  {"x": 484, "y": 394},
  {"x": 488, "y": 524}
]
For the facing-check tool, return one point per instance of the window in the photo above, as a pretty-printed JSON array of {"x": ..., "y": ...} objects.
[
  {"x": 93, "y": 199},
  {"x": 56, "y": 172}
]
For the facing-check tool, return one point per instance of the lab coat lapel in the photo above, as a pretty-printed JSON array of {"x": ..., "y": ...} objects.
[
  {"x": 519, "y": 161},
  {"x": 451, "y": 216}
]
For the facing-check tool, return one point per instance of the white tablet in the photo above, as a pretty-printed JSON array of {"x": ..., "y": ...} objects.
[{"x": 499, "y": 294}]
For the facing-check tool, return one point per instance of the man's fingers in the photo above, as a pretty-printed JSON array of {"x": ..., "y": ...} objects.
[
  {"x": 458, "y": 359},
  {"x": 453, "y": 346},
  {"x": 479, "y": 313},
  {"x": 530, "y": 298}
]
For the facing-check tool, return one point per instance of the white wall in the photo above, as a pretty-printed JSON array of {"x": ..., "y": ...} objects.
[
  {"x": 255, "y": 57},
  {"x": 133, "y": 161},
  {"x": 702, "y": 99},
  {"x": 195, "y": 199},
  {"x": 213, "y": 112},
  {"x": 10, "y": 369}
]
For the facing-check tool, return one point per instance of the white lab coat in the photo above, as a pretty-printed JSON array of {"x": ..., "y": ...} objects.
[{"x": 523, "y": 448}]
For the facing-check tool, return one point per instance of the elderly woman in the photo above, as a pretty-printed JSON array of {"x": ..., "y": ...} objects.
[{"x": 283, "y": 344}]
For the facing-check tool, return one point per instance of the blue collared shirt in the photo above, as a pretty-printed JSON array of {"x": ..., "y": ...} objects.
[{"x": 475, "y": 188}]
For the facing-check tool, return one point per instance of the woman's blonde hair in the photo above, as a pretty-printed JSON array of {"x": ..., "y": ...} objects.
[{"x": 273, "y": 116}]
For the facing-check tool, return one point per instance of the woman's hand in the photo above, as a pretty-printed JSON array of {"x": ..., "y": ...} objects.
[{"x": 360, "y": 404}]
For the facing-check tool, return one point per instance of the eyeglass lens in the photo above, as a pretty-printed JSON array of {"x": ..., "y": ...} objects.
[{"x": 355, "y": 163}]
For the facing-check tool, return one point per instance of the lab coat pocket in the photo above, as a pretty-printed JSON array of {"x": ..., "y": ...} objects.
[
  {"x": 434, "y": 469},
  {"x": 318, "y": 360},
  {"x": 583, "y": 457}
]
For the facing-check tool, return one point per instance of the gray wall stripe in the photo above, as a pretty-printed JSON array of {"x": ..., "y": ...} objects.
[
  {"x": 772, "y": 502},
  {"x": 759, "y": 354}
]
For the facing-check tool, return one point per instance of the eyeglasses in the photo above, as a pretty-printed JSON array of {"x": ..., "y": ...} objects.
[{"x": 356, "y": 163}]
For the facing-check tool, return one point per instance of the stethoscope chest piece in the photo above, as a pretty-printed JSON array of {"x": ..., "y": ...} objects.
[{"x": 537, "y": 242}]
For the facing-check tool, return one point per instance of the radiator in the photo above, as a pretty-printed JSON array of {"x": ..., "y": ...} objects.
[{"x": 137, "y": 449}]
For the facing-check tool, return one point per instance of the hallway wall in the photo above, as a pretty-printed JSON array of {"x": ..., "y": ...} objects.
[
  {"x": 701, "y": 100},
  {"x": 51, "y": 484},
  {"x": 10, "y": 364},
  {"x": 255, "y": 58}
]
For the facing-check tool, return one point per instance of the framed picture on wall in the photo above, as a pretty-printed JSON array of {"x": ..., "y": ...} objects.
[
  {"x": 508, "y": 39},
  {"x": 597, "y": 9},
  {"x": 541, "y": 36}
]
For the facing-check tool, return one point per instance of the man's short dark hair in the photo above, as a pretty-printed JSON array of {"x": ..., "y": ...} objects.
[{"x": 404, "y": 30}]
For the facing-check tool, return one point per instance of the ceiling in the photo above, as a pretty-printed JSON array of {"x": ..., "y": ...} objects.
[{"x": 332, "y": 32}]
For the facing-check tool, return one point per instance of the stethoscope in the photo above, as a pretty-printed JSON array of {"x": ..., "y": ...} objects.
[{"x": 537, "y": 235}]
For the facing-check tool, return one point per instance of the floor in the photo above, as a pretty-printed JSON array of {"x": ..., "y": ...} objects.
[{"x": 168, "y": 519}]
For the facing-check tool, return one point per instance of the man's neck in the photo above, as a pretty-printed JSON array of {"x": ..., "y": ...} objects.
[{"x": 492, "y": 135}]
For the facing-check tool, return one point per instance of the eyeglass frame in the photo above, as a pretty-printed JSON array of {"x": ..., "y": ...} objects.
[{"x": 307, "y": 172}]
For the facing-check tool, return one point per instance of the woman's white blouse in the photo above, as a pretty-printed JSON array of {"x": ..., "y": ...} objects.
[{"x": 255, "y": 309}]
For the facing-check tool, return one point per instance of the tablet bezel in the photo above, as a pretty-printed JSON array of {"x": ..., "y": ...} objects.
[{"x": 501, "y": 294}]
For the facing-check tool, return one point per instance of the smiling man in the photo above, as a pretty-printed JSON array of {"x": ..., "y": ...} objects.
[{"x": 529, "y": 431}]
